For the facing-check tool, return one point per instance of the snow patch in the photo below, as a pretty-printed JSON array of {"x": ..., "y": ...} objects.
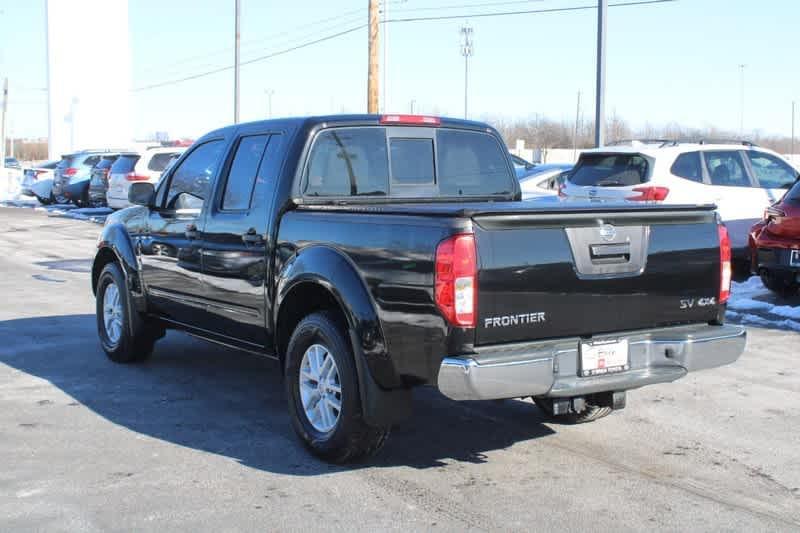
[{"x": 750, "y": 297}]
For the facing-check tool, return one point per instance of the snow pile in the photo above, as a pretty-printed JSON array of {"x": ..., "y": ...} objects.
[
  {"x": 752, "y": 303},
  {"x": 10, "y": 185}
]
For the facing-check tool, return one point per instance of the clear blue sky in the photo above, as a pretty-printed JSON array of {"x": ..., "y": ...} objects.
[{"x": 669, "y": 62}]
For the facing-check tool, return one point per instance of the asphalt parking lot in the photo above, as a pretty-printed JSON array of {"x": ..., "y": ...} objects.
[{"x": 198, "y": 438}]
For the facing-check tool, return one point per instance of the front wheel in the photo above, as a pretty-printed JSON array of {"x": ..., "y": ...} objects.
[
  {"x": 123, "y": 341},
  {"x": 782, "y": 286},
  {"x": 322, "y": 392}
]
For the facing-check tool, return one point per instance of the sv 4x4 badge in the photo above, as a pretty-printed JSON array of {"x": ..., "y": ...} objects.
[{"x": 689, "y": 303}]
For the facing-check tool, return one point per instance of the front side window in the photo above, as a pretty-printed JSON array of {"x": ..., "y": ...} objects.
[
  {"x": 726, "y": 169},
  {"x": 770, "y": 171},
  {"x": 191, "y": 181},
  {"x": 348, "y": 162},
  {"x": 610, "y": 170},
  {"x": 688, "y": 166},
  {"x": 242, "y": 175},
  {"x": 472, "y": 164}
]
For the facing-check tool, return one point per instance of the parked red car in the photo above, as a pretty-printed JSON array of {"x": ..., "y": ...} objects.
[{"x": 775, "y": 244}]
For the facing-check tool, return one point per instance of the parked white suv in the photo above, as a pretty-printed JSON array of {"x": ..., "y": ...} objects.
[
  {"x": 741, "y": 178},
  {"x": 131, "y": 167}
]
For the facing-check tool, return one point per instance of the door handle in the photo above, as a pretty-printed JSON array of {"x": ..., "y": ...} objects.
[
  {"x": 191, "y": 231},
  {"x": 252, "y": 237}
]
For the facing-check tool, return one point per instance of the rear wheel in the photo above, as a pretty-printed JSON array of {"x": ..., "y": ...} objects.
[
  {"x": 589, "y": 414},
  {"x": 322, "y": 392},
  {"x": 781, "y": 285},
  {"x": 124, "y": 338}
]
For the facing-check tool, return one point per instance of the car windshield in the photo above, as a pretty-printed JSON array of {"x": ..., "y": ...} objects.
[{"x": 610, "y": 170}]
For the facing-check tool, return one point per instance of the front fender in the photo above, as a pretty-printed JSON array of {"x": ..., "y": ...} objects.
[{"x": 336, "y": 273}]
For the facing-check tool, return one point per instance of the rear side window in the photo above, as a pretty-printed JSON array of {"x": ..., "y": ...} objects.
[
  {"x": 159, "y": 161},
  {"x": 770, "y": 171},
  {"x": 412, "y": 161},
  {"x": 472, "y": 164},
  {"x": 688, "y": 166},
  {"x": 349, "y": 162},
  {"x": 242, "y": 175},
  {"x": 726, "y": 169},
  {"x": 124, "y": 164},
  {"x": 610, "y": 170}
]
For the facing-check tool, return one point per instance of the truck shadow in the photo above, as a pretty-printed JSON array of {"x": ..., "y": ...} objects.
[{"x": 221, "y": 401}]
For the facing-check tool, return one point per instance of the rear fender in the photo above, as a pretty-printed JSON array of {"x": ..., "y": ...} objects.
[{"x": 383, "y": 396}]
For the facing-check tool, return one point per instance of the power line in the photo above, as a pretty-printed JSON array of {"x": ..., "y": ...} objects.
[
  {"x": 459, "y": 6},
  {"x": 250, "y": 61},
  {"x": 527, "y": 12},
  {"x": 415, "y": 19}
]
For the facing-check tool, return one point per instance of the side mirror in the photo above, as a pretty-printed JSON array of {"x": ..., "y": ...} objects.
[{"x": 142, "y": 193}]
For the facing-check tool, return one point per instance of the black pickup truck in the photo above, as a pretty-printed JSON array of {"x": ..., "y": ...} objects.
[{"x": 372, "y": 254}]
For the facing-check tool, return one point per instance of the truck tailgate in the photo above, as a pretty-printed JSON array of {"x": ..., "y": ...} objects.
[{"x": 566, "y": 274}]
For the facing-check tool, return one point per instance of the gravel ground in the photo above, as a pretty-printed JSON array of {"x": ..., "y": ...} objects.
[{"x": 198, "y": 438}]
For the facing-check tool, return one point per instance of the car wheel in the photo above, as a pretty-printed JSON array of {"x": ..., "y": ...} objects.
[
  {"x": 122, "y": 341},
  {"x": 46, "y": 201},
  {"x": 780, "y": 286},
  {"x": 590, "y": 414},
  {"x": 322, "y": 392}
]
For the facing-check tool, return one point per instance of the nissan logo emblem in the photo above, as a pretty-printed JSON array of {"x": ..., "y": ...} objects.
[{"x": 608, "y": 232}]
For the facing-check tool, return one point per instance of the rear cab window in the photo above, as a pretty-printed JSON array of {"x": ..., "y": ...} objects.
[
  {"x": 407, "y": 162},
  {"x": 610, "y": 170}
]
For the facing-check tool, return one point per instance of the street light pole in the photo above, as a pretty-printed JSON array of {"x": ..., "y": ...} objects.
[
  {"x": 269, "y": 93},
  {"x": 238, "y": 5},
  {"x": 791, "y": 151},
  {"x": 467, "y": 50},
  {"x": 600, "y": 102},
  {"x": 741, "y": 100}
]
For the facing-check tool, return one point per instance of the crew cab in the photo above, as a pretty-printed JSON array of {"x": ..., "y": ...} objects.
[{"x": 373, "y": 254}]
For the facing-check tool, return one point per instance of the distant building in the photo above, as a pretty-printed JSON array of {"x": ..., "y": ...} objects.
[{"x": 88, "y": 108}]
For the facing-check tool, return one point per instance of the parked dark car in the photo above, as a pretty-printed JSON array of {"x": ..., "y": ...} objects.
[
  {"x": 370, "y": 255},
  {"x": 775, "y": 244},
  {"x": 98, "y": 183},
  {"x": 73, "y": 169},
  {"x": 12, "y": 162}
]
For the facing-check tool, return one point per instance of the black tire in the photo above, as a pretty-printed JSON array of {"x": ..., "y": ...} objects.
[
  {"x": 135, "y": 342},
  {"x": 351, "y": 438},
  {"x": 46, "y": 201},
  {"x": 780, "y": 286},
  {"x": 590, "y": 414}
]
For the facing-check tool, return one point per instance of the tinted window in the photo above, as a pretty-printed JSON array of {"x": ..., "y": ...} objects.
[
  {"x": 688, "y": 166},
  {"x": 726, "y": 169},
  {"x": 348, "y": 162},
  {"x": 770, "y": 171},
  {"x": 106, "y": 162},
  {"x": 412, "y": 161},
  {"x": 159, "y": 161},
  {"x": 610, "y": 170},
  {"x": 124, "y": 164},
  {"x": 793, "y": 195},
  {"x": 191, "y": 181},
  {"x": 472, "y": 164},
  {"x": 242, "y": 175},
  {"x": 91, "y": 161}
]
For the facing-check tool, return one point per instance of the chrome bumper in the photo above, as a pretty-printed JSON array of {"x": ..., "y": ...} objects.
[{"x": 550, "y": 368}]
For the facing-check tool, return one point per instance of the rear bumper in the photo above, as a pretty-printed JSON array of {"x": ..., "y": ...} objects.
[{"x": 550, "y": 368}]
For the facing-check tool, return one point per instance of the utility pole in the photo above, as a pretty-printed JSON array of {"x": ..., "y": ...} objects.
[
  {"x": 792, "y": 145},
  {"x": 741, "y": 100},
  {"x": 412, "y": 105},
  {"x": 577, "y": 122},
  {"x": 3, "y": 125},
  {"x": 269, "y": 93},
  {"x": 373, "y": 69},
  {"x": 600, "y": 96},
  {"x": 238, "y": 5},
  {"x": 385, "y": 47},
  {"x": 467, "y": 49}
]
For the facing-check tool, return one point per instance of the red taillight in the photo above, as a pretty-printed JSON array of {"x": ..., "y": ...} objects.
[
  {"x": 132, "y": 176},
  {"x": 724, "y": 265},
  {"x": 649, "y": 194},
  {"x": 411, "y": 119},
  {"x": 71, "y": 171},
  {"x": 456, "y": 283}
]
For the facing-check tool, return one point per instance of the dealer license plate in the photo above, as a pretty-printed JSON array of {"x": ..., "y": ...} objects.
[
  {"x": 604, "y": 357},
  {"x": 794, "y": 258}
]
